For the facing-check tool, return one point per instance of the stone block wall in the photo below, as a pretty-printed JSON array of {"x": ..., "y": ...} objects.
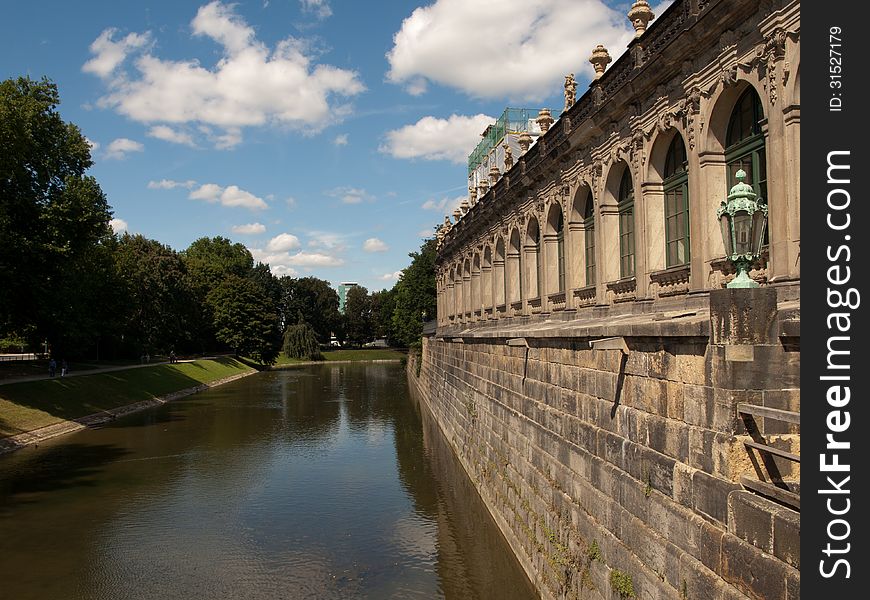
[{"x": 616, "y": 475}]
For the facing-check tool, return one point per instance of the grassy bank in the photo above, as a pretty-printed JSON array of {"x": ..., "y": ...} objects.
[
  {"x": 351, "y": 355},
  {"x": 28, "y": 406}
]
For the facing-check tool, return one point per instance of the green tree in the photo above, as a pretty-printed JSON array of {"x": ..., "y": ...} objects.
[
  {"x": 158, "y": 303},
  {"x": 210, "y": 261},
  {"x": 383, "y": 305},
  {"x": 300, "y": 341},
  {"x": 415, "y": 295},
  {"x": 245, "y": 319},
  {"x": 317, "y": 302},
  {"x": 54, "y": 222},
  {"x": 358, "y": 316}
]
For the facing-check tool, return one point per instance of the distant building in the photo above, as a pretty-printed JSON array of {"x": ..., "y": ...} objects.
[{"x": 343, "y": 287}]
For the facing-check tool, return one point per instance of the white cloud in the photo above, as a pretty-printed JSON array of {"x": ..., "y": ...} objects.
[
  {"x": 445, "y": 205},
  {"x": 521, "y": 50},
  {"x": 251, "y": 85},
  {"x": 119, "y": 148},
  {"x": 228, "y": 196},
  {"x": 375, "y": 245},
  {"x": 109, "y": 54},
  {"x": 390, "y": 276},
  {"x": 249, "y": 229},
  {"x": 283, "y": 263},
  {"x": 340, "y": 140},
  {"x": 169, "y": 184},
  {"x": 94, "y": 145},
  {"x": 283, "y": 242},
  {"x": 432, "y": 138},
  {"x": 350, "y": 195},
  {"x": 290, "y": 201},
  {"x": 320, "y": 8},
  {"x": 168, "y": 134},
  {"x": 118, "y": 225},
  {"x": 328, "y": 239}
]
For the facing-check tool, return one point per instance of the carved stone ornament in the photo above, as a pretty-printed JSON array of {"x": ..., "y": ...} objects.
[
  {"x": 472, "y": 195},
  {"x": 600, "y": 59},
  {"x": 639, "y": 15},
  {"x": 545, "y": 119},
  {"x": 769, "y": 55},
  {"x": 494, "y": 174},
  {"x": 728, "y": 76},
  {"x": 524, "y": 140},
  {"x": 508, "y": 158},
  {"x": 570, "y": 90}
]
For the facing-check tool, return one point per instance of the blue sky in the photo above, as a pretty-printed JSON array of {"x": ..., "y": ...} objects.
[{"x": 328, "y": 136}]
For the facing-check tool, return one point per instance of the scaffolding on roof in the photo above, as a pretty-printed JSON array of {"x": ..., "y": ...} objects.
[{"x": 512, "y": 120}]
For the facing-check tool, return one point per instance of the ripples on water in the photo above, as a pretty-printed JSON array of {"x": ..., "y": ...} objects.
[{"x": 309, "y": 483}]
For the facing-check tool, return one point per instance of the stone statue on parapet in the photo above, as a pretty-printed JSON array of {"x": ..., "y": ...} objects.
[
  {"x": 570, "y": 90},
  {"x": 508, "y": 158}
]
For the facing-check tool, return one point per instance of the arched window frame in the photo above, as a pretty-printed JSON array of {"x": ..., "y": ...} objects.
[
  {"x": 560, "y": 250},
  {"x": 625, "y": 203},
  {"x": 676, "y": 192},
  {"x": 744, "y": 143},
  {"x": 589, "y": 240}
]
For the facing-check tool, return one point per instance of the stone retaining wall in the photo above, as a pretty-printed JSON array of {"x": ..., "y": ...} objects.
[{"x": 615, "y": 475}]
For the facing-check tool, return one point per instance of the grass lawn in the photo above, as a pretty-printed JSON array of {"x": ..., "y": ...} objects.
[
  {"x": 354, "y": 355},
  {"x": 31, "y": 405}
]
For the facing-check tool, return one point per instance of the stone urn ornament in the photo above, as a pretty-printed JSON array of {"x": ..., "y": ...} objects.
[
  {"x": 640, "y": 15},
  {"x": 545, "y": 119},
  {"x": 600, "y": 59}
]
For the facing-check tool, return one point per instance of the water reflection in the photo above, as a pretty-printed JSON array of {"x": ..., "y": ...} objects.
[{"x": 313, "y": 483}]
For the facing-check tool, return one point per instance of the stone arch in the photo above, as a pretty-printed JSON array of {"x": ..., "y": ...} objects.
[
  {"x": 532, "y": 258},
  {"x": 499, "y": 273},
  {"x": 553, "y": 243},
  {"x": 581, "y": 237},
  {"x": 667, "y": 186},
  {"x": 513, "y": 264},
  {"x": 475, "y": 284},
  {"x": 486, "y": 292},
  {"x": 618, "y": 222},
  {"x": 720, "y": 108}
]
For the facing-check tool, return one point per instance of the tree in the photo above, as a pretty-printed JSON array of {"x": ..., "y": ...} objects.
[
  {"x": 317, "y": 302},
  {"x": 358, "y": 316},
  {"x": 300, "y": 341},
  {"x": 416, "y": 295},
  {"x": 244, "y": 319},
  {"x": 209, "y": 261},
  {"x": 158, "y": 302},
  {"x": 383, "y": 305},
  {"x": 54, "y": 221}
]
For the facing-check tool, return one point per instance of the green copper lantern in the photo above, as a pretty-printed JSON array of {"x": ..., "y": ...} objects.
[{"x": 743, "y": 220}]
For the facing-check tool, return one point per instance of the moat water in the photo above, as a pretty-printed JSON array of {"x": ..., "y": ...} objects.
[{"x": 319, "y": 482}]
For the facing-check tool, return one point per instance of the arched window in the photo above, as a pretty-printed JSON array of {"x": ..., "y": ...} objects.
[
  {"x": 745, "y": 144},
  {"x": 589, "y": 240},
  {"x": 676, "y": 188},
  {"x": 626, "y": 225}
]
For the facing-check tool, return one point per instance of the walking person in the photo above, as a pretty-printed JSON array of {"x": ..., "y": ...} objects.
[
  {"x": 52, "y": 368},
  {"x": 63, "y": 368}
]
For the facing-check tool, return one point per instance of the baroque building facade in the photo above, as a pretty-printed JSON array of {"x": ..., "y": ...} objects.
[
  {"x": 617, "y": 201},
  {"x": 633, "y": 425}
]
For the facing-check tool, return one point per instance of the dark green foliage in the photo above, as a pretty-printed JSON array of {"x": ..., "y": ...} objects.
[
  {"x": 358, "y": 316},
  {"x": 383, "y": 305},
  {"x": 159, "y": 307},
  {"x": 54, "y": 223},
  {"x": 317, "y": 302},
  {"x": 244, "y": 319},
  {"x": 415, "y": 296},
  {"x": 300, "y": 341}
]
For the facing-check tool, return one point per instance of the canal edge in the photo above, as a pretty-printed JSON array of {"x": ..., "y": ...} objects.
[{"x": 22, "y": 440}]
